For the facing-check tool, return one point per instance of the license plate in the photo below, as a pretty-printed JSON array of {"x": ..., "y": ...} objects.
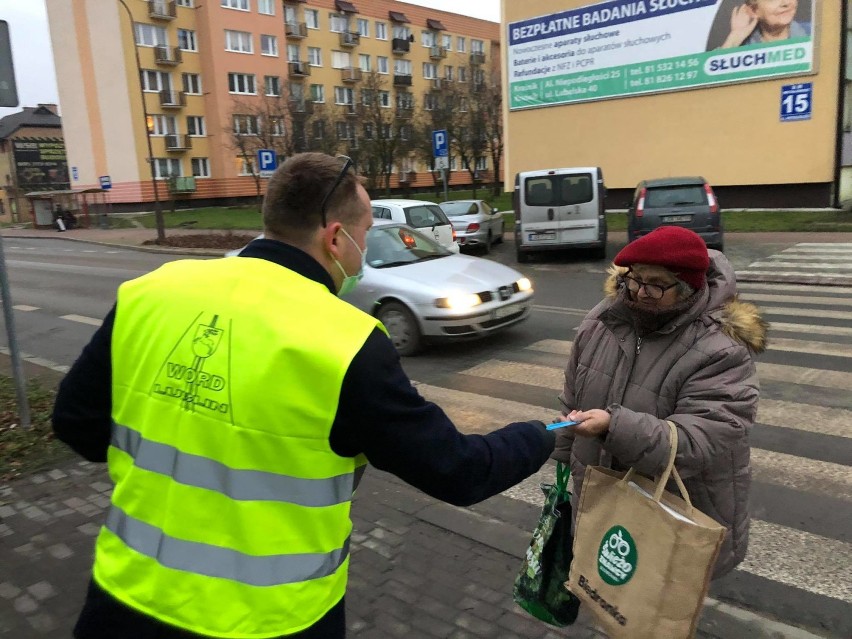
[
  {"x": 677, "y": 218},
  {"x": 504, "y": 311},
  {"x": 544, "y": 235}
]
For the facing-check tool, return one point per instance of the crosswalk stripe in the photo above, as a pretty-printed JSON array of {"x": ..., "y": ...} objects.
[
  {"x": 820, "y": 245},
  {"x": 811, "y": 347},
  {"x": 805, "y": 376},
  {"x": 801, "y": 473},
  {"x": 796, "y": 299},
  {"x": 813, "y": 329},
  {"x": 82, "y": 319},
  {"x": 815, "y": 419},
  {"x": 560, "y": 309},
  {"x": 555, "y": 346},
  {"x": 835, "y": 278},
  {"x": 779, "y": 263},
  {"x": 25, "y": 308},
  {"x": 806, "y": 312},
  {"x": 797, "y": 288},
  {"x": 810, "y": 257}
]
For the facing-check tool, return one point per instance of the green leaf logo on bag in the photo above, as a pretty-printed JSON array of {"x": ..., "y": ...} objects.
[{"x": 617, "y": 556}]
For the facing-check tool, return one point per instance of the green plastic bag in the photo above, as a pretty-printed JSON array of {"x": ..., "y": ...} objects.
[{"x": 540, "y": 585}]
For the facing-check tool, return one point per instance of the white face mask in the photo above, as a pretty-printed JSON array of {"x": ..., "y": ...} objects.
[{"x": 351, "y": 281}]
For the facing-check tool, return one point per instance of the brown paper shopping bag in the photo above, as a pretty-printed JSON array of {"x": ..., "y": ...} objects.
[{"x": 642, "y": 557}]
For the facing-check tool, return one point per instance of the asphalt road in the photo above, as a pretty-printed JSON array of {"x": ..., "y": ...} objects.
[{"x": 801, "y": 545}]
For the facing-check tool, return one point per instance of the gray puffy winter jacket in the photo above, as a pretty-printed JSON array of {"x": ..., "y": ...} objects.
[{"x": 697, "y": 371}]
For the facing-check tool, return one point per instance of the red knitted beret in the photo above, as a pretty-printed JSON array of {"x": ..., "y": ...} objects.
[{"x": 680, "y": 250}]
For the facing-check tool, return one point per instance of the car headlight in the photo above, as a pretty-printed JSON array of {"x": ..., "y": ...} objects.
[
  {"x": 523, "y": 284},
  {"x": 458, "y": 301}
]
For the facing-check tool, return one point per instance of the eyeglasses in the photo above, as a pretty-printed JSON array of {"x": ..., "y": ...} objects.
[
  {"x": 324, "y": 206},
  {"x": 654, "y": 291}
]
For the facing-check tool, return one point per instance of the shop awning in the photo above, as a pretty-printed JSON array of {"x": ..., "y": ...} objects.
[
  {"x": 435, "y": 24},
  {"x": 345, "y": 7},
  {"x": 396, "y": 16}
]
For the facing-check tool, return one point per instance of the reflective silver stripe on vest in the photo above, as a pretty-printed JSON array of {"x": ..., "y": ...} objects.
[
  {"x": 243, "y": 485},
  {"x": 215, "y": 561}
]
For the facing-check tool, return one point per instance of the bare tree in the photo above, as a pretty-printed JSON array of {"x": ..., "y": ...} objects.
[{"x": 490, "y": 108}]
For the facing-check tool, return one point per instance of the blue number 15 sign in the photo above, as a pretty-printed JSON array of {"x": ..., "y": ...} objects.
[{"x": 797, "y": 101}]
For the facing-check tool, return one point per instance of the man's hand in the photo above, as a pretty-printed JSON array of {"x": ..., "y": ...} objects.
[{"x": 592, "y": 422}]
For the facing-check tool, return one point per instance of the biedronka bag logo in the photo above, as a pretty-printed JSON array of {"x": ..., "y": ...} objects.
[{"x": 617, "y": 556}]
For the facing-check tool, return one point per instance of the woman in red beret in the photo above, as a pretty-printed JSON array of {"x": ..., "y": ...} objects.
[{"x": 670, "y": 341}]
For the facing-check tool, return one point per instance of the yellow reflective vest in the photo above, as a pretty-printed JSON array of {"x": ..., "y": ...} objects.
[{"x": 230, "y": 514}]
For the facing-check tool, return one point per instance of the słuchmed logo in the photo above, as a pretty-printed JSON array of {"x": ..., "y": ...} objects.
[{"x": 617, "y": 556}]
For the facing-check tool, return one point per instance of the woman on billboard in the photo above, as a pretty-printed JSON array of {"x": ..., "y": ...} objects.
[{"x": 763, "y": 21}]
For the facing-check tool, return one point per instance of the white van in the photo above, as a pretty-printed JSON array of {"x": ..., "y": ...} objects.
[{"x": 558, "y": 209}]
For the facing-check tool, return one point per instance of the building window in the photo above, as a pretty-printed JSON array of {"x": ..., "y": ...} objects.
[
  {"x": 404, "y": 100},
  {"x": 401, "y": 32},
  {"x": 238, "y": 41},
  {"x": 364, "y": 62},
  {"x": 163, "y": 125},
  {"x": 344, "y": 95},
  {"x": 297, "y": 91},
  {"x": 430, "y": 70},
  {"x": 272, "y": 85},
  {"x": 448, "y": 73},
  {"x": 363, "y": 28},
  {"x": 155, "y": 81},
  {"x": 185, "y": 3},
  {"x": 384, "y": 99},
  {"x": 381, "y": 31},
  {"x": 318, "y": 92},
  {"x": 447, "y": 41},
  {"x": 276, "y": 126},
  {"x": 315, "y": 56},
  {"x": 428, "y": 38},
  {"x": 367, "y": 97},
  {"x": 338, "y": 23},
  {"x": 269, "y": 45},
  {"x": 147, "y": 35},
  {"x": 186, "y": 40},
  {"x": 405, "y": 134},
  {"x": 245, "y": 165},
  {"x": 479, "y": 77},
  {"x": 241, "y": 83},
  {"x": 463, "y": 104},
  {"x": 345, "y": 130},
  {"x": 462, "y": 74},
  {"x": 200, "y": 167},
  {"x": 312, "y": 18},
  {"x": 460, "y": 45},
  {"x": 167, "y": 167},
  {"x": 340, "y": 60},
  {"x": 382, "y": 64},
  {"x": 477, "y": 46},
  {"x": 402, "y": 67},
  {"x": 430, "y": 102},
  {"x": 241, "y": 5},
  {"x": 192, "y": 83},
  {"x": 368, "y": 131},
  {"x": 319, "y": 129},
  {"x": 266, "y": 7},
  {"x": 293, "y": 53},
  {"x": 481, "y": 164},
  {"x": 195, "y": 125},
  {"x": 453, "y": 164},
  {"x": 245, "y": 124}
]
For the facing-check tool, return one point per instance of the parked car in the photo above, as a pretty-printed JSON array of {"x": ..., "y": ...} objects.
[
  {"x": 422, "y": 292},
  {"x": 476, "y": 222},
  {"x": 681, "y": 201},
  {"x": 559, "y": 209},
  {"x": 426, "y": 217}
]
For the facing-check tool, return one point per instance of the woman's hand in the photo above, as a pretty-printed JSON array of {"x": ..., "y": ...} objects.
[
  {"x": 593, "y": 422},
  {"x": 743, "y": 22}
]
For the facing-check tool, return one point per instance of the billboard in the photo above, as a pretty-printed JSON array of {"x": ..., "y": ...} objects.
[
  {"x": 623, "y": 48},
  {"x": 40, "y": 164}
]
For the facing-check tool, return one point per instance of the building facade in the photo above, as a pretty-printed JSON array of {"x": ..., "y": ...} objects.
[
  {"x": 217, "y": 80},
  {"x": 658, "y": 88},
  {"x": 32, "y": 159}
]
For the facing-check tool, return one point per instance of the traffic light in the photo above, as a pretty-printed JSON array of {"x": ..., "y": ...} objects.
[{"x": 8, "y": 90}]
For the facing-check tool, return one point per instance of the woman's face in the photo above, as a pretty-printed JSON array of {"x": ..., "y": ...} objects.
[
  {"x": 654, "y": 276},
  {"x": 775, "y": 13}
]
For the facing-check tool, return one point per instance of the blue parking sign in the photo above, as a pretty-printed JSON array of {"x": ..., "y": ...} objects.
[
  {"x": 440, "y": 147},
  {"x": 267, "y": 162},
  {"x": 797, "y": 101}
]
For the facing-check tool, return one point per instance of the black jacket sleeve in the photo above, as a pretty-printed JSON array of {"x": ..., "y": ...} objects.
[
  {"x": 382, "y": 415},
  {"x": 82, "y": 414}
]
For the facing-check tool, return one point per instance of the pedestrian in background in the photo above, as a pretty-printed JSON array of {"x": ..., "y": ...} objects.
[
  {"x": 237, "y": 402},
  {"x": 670, "y": 342}
]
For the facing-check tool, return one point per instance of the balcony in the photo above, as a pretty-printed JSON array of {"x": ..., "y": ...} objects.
[
  {"x": 296, "y": 30},
  {"x": 404, "y": 112},
  {"x": 400, "y": 45},
  {"x": 350, "y": 74},
  {"x": 172, "y": 99},
  {"x": 168, "y": 56},
  {"x": 298, "y": 69},
  {"x": 401, "y": 80},
  {"x": 477, "y": 58},
  {"x": 162, "y": 9},
  {"x": 178, "y": 142},
  {"x": 437, "y": 53},
  {"x": 179, "y": 185},
  {"x": 301, "y": 107},
  {"x": 351, "y": 110},
  {"x": 349, "y": 39}
]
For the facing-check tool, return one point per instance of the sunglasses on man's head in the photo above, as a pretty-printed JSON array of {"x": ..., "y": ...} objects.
[{"x": 347, "y": 163}]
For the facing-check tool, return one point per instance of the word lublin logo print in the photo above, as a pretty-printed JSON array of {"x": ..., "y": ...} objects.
[{"x": 617, "y": 556}]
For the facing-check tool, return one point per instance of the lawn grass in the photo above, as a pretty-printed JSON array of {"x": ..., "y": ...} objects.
[{"x": 212, "y": 217}]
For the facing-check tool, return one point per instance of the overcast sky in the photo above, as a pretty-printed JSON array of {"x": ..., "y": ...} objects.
[{"x": 33, "y": 57}]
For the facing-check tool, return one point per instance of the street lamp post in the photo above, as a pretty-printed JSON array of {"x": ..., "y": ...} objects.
[{"x": 158, "y": 210}]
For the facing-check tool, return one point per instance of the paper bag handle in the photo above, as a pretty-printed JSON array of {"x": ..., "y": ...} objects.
[{"x": 669, "y": 471}]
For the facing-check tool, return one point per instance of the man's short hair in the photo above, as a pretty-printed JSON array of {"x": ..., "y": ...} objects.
[{"x": 292, "y": 206}]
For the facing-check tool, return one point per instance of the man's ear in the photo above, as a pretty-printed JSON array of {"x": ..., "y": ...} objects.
[{"x": 331, "y": 238}]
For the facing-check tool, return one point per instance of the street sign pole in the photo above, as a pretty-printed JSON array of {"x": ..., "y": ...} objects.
[
  {"x": 441, "y": 152},
  {"x": 445, "y": 171},
  {"x": 14, "y": 353}
]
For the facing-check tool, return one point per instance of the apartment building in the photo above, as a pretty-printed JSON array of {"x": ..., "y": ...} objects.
[{"x": 203, "y": 83}]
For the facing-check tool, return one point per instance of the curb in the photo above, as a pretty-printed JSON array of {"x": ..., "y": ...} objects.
[{"x": 131, "y": 247}]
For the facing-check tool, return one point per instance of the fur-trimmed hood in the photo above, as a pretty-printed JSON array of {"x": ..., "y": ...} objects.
[{"x": 741, "y": 321}]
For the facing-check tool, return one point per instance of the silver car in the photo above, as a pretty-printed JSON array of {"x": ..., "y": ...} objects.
[
  {"x": 423, "y": 292},
  {"x": 477, "y": 224}
]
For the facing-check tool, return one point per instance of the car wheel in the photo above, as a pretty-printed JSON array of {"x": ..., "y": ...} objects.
[
  {"x": 499, "y": 239},
  {"x": 488, "y": 242},
  {"x": 402, "y": 327}
]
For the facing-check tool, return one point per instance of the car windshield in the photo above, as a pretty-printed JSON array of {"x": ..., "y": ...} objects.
[
  {"x": 692, "y": 195},
  {"x": 455, "y": 209},
  {"x": 425, "y": 216},
  {"x": 399, "y": 245}
]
